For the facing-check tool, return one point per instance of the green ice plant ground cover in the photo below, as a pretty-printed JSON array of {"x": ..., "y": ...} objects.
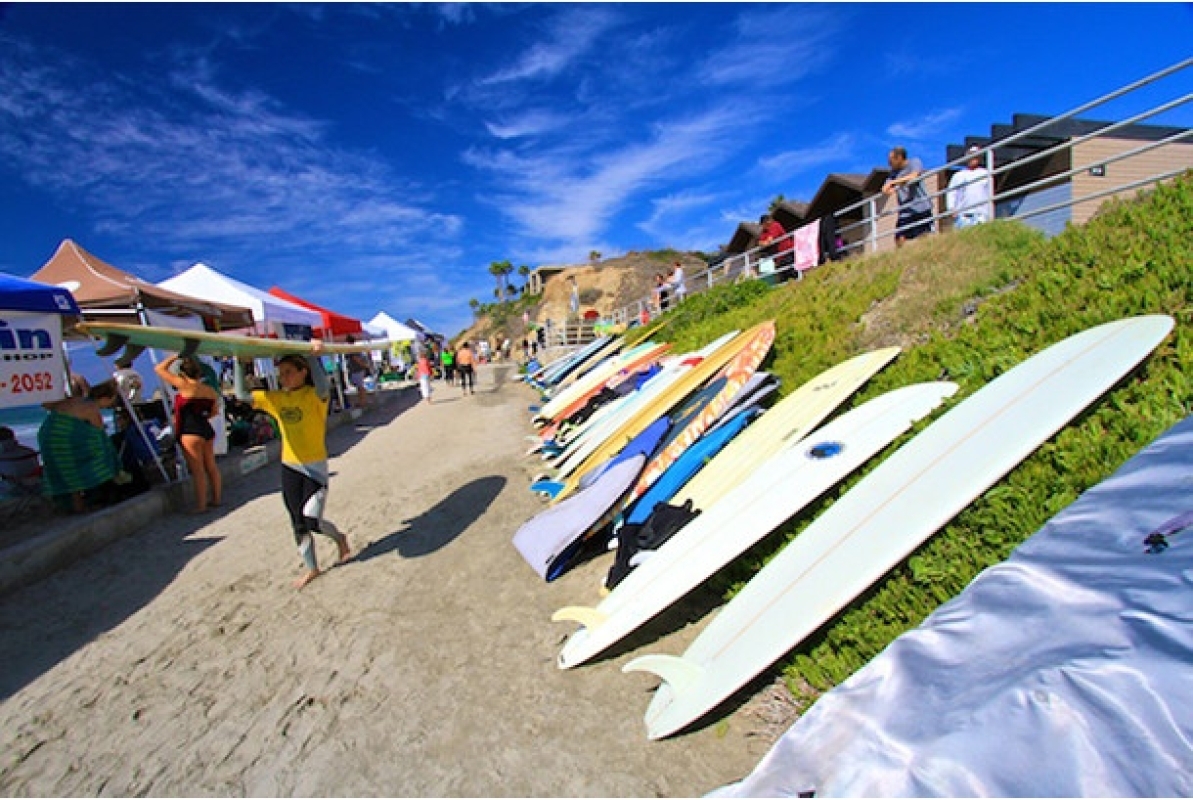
[{"x": 967, "y": 306}]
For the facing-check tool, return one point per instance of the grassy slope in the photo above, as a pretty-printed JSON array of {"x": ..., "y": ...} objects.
[{"x": 966, "y": 307}]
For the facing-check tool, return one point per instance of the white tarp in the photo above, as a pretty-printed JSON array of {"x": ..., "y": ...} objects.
[
  {"x": 392, "y": 329},
  {"x": 268, "y": 311},
  {"x": 1062, "y": 672},
  {"x": 32, "y": 370}
]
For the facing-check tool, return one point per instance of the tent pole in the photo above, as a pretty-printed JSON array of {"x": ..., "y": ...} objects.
[{"x": 166, "y": 403}]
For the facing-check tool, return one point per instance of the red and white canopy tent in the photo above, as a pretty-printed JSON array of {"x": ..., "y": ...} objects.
[{"x": 335, "y": 327}]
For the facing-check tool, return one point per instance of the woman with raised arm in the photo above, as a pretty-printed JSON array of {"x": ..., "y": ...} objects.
[{"x": 195, "y": 402}]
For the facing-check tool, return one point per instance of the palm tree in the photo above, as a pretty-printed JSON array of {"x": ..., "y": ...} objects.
[
  {"x": 594, "y": 256},
  {"x": 499, "y": 269},
  {"x": 506, "y": 270},
  {"x": 475, "y": 305}
]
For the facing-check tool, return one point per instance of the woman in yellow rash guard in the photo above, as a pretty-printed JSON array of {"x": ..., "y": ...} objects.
[{"x": 300, "y": 407}]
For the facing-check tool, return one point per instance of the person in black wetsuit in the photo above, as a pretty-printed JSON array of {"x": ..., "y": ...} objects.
[{"x": 194, "y": 404}]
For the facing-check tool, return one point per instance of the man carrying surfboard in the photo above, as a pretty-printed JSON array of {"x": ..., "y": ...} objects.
[{"x": 300, "y": 407}]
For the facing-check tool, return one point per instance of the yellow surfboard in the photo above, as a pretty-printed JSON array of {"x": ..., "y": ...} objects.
[{"x": 785, "y": 424}]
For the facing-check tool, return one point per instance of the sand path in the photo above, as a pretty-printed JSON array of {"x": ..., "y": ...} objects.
[{"x": 179, "y": 661}]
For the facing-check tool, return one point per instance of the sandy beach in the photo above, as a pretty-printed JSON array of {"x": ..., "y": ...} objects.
[{"x": 180, "y": 661}]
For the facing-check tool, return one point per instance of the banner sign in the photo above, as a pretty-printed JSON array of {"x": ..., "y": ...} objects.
[{"x": 32, "y": 371}]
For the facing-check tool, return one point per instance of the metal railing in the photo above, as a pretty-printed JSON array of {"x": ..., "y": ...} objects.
[{"x": 864, "y": 236}]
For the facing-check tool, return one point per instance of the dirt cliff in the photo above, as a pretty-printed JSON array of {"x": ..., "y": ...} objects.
[{"x": 603, "y": 287}]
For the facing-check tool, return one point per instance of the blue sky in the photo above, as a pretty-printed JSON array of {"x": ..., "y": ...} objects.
[{"x": 378, "y": 157}]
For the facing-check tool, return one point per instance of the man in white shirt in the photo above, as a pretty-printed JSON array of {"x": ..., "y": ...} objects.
[
  {"x": 678, "y": 288},
  {"x": 968, "y": 196}
]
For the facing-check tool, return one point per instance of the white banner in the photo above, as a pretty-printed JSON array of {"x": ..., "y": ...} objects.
[{"x": 31, "y": 362}]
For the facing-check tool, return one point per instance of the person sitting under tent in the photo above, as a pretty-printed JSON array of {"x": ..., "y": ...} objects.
[{"x": 80, "y": 465}]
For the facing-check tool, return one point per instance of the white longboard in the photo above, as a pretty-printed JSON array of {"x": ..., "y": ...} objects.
[
  {"x": 893, "y": 510},
  {"x": 779, "y": 488}
]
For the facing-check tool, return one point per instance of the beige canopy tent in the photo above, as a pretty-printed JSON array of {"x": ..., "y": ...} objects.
[{"x": 107, "y": 293}]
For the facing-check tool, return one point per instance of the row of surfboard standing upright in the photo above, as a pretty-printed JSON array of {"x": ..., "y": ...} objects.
[{"x": 674, "y": 461}]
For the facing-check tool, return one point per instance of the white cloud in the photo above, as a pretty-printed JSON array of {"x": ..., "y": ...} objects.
[
  {"x": 928, "y": 126},
  {"x": 569, "y": 36},
  {"x": 564, "y": 199},
  {"x": 534, "y": 122},
  {"x": 206, "y": 167},
  {"x": 794, "y": 162},
  {"x": 773, "y": 46},
  {"x": 672, "y": 218}
]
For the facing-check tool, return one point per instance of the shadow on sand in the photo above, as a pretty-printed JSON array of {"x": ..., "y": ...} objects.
[
  {"x": 46, "y": 622},
  {"x": 436, "y": 527},
  {"x": 49, "y": 619}
]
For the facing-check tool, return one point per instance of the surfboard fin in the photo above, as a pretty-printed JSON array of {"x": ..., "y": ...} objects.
[
  {"x": 189, "y": 347},
  {"x": 679, "y": 673},
  {"x": 114, "y": 342},
  {"x": 585, "y": 615}
]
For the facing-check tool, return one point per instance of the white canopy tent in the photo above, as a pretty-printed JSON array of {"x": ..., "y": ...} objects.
[
  {"x": 393, "y": 330},
  {"x": 270, "y": 313}
]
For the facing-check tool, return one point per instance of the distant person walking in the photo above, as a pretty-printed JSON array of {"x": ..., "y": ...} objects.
[
  {"x": 300, "y": 408},
  {"x": 915, "y": 210},
  {"x": 662, "y": 295},
  {"x": 422, "y": 368},
  {"x": 447, "y": 359},
  {"x": 968, "y": 196},
  {"x": 464, "y": 363}
]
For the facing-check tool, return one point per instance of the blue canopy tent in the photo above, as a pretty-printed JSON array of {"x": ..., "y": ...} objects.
[
  {"x": 21, "y": 294},
  {"x": 33, "y": 368}
]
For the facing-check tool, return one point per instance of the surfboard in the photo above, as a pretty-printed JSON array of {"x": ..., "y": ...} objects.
[
  {"x": 549, "y": 373},
  {"x": 694, "y": 458},
  {"x": 610, "y": 374},
  {"x": 782, "y": 486},
  {"x": 640, "y": 408},
  {"x": 674, "y": 392},
  {"x": 890, "y": 512},
  {"x": 760, "y": 386},
  {"x": 580, "y": 366},
  {"x": 586, "y": 438},
  {"x": 572, "y": 398},
  {"x": 736, "y": 373},
  {"x": 549, "y": 534},
  {"x": 782, "y": 426},
  {"x": 206, "y": 343}
]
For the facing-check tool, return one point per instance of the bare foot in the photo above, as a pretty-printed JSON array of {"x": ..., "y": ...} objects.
[
  {"x": 345, "y": 550},
  {"x": 307, "y": 578}
]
